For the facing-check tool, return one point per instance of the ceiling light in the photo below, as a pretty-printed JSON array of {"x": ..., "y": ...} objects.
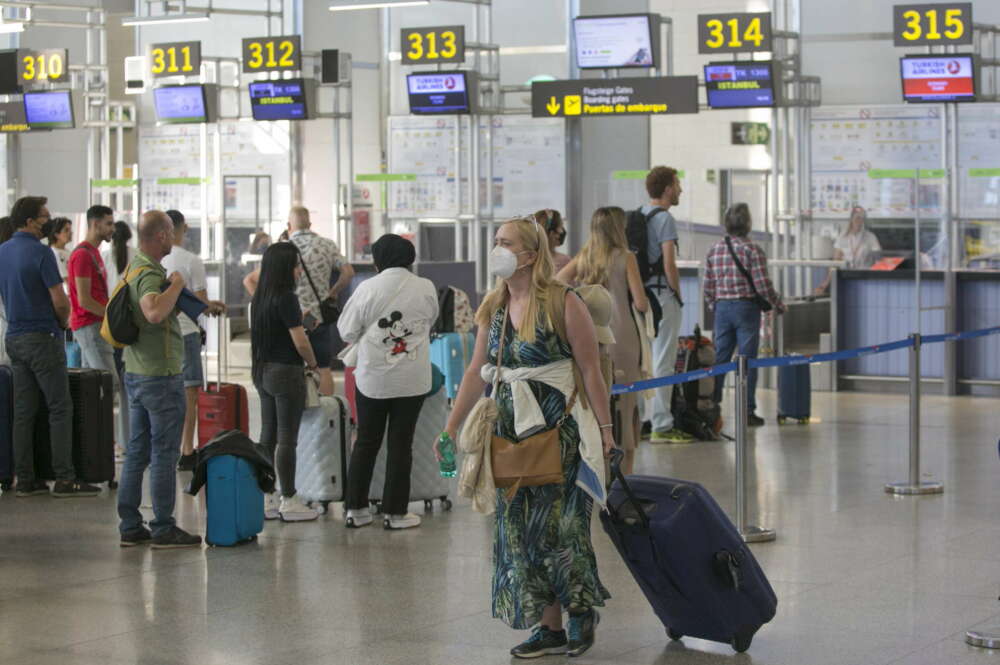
[
  {"x": 347, "y": 5},
  {"x": 161, "y": 19}
]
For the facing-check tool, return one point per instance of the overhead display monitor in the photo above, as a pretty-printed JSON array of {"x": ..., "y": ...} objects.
[
  {"x": 440, "y": 92},
  {"x": 279, "y": 100},
  {"x": 180, "y": 104},
  {"x": 938, "y": 78},
  {"x": 49, "y": 109},
  {"x": 736, "y": 85},
  {"x": 613, "y": 42}
]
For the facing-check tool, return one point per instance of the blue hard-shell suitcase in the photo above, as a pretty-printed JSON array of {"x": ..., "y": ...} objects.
[
  {"x": 794, "y": 393},
  {"x": 235, "y": 504},
  {"x": 6, "y": 427},
  {"x": 688, "y": 559},
  {"x": 452, "y": 353}
]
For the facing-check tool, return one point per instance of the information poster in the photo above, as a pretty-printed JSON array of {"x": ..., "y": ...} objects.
[
  {"x": 979, "y": 161},
  {"x": 849, "y": 143},
  {"x": 528, "y": 166}
]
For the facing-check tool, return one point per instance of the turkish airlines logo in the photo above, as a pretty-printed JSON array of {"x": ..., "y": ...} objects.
[
  {"x": 450, "y": 82},
  {"x": 954, "y": 67}
]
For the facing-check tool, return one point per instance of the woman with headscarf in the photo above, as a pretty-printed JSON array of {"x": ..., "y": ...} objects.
[{"x": 388, "y": 318}]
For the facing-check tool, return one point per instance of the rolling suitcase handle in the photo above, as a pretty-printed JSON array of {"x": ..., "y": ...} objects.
[{"x": 617, "y": 455}]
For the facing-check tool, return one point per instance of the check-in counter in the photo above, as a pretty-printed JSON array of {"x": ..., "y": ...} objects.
[{"x": 877, "y": 306}]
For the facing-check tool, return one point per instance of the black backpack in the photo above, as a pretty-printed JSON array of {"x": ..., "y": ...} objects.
[{"x": 637, "y": 233}]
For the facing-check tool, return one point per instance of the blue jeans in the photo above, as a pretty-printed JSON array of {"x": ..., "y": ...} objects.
[
  {"x": 737, "y": 324},
  {"x": 156, "y": 415}
]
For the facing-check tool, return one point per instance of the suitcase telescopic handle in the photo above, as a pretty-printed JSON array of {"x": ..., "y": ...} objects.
[{"x": 617, "y": 455}]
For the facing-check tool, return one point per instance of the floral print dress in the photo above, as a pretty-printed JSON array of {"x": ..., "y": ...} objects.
[{"x": 542, "y": 551}]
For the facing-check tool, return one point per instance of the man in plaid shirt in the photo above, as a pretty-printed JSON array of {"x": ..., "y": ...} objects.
[{"x": 732, "y": 296}]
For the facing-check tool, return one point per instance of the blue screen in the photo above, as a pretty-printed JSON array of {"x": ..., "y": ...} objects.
[
  {"x": 181, "y": 103},
  {"x": 49, "y": 110},
  {"x": 739, "y": 85},
  {"x": 278, "y": 100}
]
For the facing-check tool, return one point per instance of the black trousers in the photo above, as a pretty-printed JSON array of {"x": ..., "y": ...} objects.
[{"x": 400, "y": 416}]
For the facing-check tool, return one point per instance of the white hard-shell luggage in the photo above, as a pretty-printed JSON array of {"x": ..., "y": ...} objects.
[{"x": 321, "y": 464}]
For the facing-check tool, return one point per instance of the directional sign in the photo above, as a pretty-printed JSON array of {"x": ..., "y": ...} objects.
[
  {"x": 750, "y": 133},
  {"x": 605, "y": 97}
]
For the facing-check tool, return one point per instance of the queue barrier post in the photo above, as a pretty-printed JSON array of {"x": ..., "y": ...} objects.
[
  {"x": 749, "y": 532},
  {"x": 914, "y": 485}
]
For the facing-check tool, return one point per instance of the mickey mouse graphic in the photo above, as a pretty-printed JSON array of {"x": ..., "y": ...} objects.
[{"x": 397, "y": 334}]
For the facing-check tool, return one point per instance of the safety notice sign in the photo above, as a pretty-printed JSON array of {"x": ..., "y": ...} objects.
[{"x": 606, "y": 97}]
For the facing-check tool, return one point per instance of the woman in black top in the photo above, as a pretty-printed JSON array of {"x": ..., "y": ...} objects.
[{"x": 279, "y": 346}]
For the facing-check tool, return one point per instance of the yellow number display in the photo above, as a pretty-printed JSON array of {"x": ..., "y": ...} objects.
[
  {"x": 175, "y": 59},
  {"x": 932, "y": 24},
  {"x": 287, "y": 54},
  {"x": 264, "y": 54},
  {"x": 734, "y": 33},
  {"x": 256, "y": 60},
  {"x": 445, "y": 44},
  {"x": 48, "y": 66}
]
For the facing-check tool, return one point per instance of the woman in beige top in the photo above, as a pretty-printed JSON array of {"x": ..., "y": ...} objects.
[{"x": 606, "y": 260}]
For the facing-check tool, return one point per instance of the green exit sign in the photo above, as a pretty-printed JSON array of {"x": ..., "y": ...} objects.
[{"x": 750, "y": 133}]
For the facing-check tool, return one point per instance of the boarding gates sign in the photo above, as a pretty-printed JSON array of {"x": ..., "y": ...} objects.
[{"x": 606, "y": 97}]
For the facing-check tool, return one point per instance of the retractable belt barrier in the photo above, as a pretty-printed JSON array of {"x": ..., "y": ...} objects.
[
  {"x": 784, "y": 361},
  {"x": 915, "y": 485}
]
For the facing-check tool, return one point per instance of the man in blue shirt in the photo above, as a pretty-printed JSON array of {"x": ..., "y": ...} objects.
[
  {"x": 37, "y": 313},
  {"x": 664, "y": 189}
]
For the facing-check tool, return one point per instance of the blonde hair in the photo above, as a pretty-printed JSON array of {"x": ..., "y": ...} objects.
[
  {"x": 607, "y": 239},
  {"x": 301, "y": 215},
  {"x": 533, "y": 239}
]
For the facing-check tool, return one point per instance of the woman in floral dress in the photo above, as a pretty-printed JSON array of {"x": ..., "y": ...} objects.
[{"x": 543, "y": 556}]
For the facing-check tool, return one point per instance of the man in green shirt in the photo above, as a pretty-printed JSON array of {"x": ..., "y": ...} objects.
[{"x": 155, "y": 387}]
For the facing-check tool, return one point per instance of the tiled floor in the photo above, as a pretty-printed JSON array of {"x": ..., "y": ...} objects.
[{"x": 862, "y": 577}]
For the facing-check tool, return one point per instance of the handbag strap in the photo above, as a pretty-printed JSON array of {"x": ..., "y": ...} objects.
[
  {"x": 503, "y": 337},
  {"x": 740, "y": 267}
]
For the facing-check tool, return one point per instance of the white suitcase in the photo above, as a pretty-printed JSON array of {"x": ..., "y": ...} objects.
[
  {"x": 426, "y": 483},
  {"x": 321, "y": 464}
]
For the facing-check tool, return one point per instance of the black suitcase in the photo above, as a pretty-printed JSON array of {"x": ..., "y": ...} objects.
[
  {"x": 92, "y": 394},
  {"x": 688, "y": 559},
  {"x": 6, "y": 427}
]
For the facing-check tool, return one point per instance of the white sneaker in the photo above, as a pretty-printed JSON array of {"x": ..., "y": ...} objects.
[
  {"x": 359, "y": 518},
  {"x": 407, "y": 521},
  {"x": 293, "y": 510},
  {"x": 271, "y": 506}
]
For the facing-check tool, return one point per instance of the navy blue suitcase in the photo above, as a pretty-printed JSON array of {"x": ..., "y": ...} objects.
[
  {"x": 6, "y": 427},
  {"x": 794, "y": 393},
  {"x": 688, "y": 559},
  {"x": 234, "y": 501}
]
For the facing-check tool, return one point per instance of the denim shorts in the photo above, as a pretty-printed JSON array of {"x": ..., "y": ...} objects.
[
  {"x": 322, "y": 344},
  {"x": 193, "y": 374}
]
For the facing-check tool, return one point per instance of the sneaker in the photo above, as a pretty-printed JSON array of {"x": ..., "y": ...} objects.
[
  {"x": 34, "y": 488},
  {"x": 68, "y": 489},
  {"x": 543, "y": 642},
  {"x": 407, "y": 521},
  {"x": 139, "y": 536},
  {"x": 271, "y": 506},
  {"x": 175, "y": 538},
  {"x": 672, "y": 436},
  {"x": 187, "y": 462},
  {"x": 293, "y": 510},
  {"x": 359, "y": 517},
  {"x": 581, "y": 631},
  {"x": 753, "y": 420}
]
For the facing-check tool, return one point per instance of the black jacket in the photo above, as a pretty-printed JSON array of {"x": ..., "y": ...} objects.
[{"x": 233, "y": 442}]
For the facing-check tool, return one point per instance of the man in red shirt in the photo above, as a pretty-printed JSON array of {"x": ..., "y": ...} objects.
[{"x": 88, "y": 296}]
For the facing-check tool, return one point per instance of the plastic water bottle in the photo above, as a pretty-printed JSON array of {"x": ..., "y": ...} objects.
[{"x": 446, "y": 446}]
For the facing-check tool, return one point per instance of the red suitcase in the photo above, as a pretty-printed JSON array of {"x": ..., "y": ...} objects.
[
  {"x": 221, "y": 406},
  {"x": 350, "y": 389}
]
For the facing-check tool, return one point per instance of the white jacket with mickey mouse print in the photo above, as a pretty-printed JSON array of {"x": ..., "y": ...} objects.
[{"x": 389, "y": 317}]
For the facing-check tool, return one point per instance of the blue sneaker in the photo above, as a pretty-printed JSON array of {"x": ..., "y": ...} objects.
[
  {"x": 581, "y": 631},
  {"x": 543, "y": 642}
]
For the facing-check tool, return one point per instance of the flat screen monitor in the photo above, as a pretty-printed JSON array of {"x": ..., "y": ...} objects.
[
  {"x": 279, "y": 100},
  {"x": 614, "y": 42},
  {"x": 443, "y": 93},
  {"x": 49, "y": 109},
  {"x": 938, "y": 78},
  {"x": 180, "y": 104},
  {"x": 736, "y": 85}
]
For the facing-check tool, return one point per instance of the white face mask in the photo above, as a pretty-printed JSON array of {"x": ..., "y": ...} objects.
[{"x": 503, "y": 262}]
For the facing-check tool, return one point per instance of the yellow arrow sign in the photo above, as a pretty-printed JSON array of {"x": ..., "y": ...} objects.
[{"x": 553, "y": 106}]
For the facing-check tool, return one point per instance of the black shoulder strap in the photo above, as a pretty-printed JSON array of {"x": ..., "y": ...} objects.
[
  {"x": 305, "y": 269},
  {"x": 652, "y": 213},
  {"x": 739, "y": 265}
]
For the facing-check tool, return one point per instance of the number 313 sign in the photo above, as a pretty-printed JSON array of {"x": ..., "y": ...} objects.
[{"x": 425, "y": 45}]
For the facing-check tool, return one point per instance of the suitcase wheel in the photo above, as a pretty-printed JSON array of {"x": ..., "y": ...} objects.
[
  {"x": 446, "y": 503},
  {"x": 6, "y": 485},
  {"x": 674, "y": 635},
  {"x": 112, "y": 484},
  {"x": 428, "y": 505},
  {"x": 782, "y": 420},
  {"x": 325, "y": 507},
  {"x": 741, "y": 642},
  {"x": 803, "y": 421}
]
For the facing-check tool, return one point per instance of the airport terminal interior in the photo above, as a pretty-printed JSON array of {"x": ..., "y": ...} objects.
[{"x": 308, "y": 226}]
